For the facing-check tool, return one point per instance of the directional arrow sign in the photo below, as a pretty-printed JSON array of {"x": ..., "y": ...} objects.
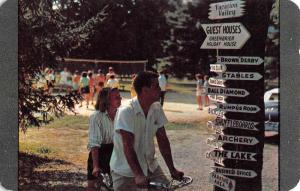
[
  {"x": 238, "y": 155},
  {"x": 225, "y": 36},
  {"x": 217, "y": 160},
  {"x": 235, "y": 92},
  {"x": 218, "y": 68},
  {"x": 228, "y": 9},
  {"x": 218, "y": 129},
  {"x": 238, "y": 124},
  {"x": 239, "y": 60},
  {"x": 238, "y": 108},
  {"x": 240, "y": 76},
  {"x": 222, "y": 181},
  {"x": 217, "y": 98},
  {"x": 216, "y": 82},
  {"x": 212, "y": 142},
  {"x": 243, "y": 140},
  {"x": 216, "y": 111},
  {"x": 211, "y": 124},
  {"x": 235, "y": 172}
]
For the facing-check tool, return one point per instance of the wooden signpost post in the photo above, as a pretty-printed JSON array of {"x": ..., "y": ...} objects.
[{"x": 237, "y": 30}]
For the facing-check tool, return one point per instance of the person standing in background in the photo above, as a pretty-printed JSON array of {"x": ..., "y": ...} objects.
[
  {"x": 76, "y": 81},
  {"x": 132, "y": 90},
  {"x": 100, "y": 81},
  {"x": 199, "y": 91},
  {"x": 112, "y": 82},
  {"x": 84, "y": 88},
  {"x": 205, "y": 86},
  {"x": 50, "y": 79},
  {"x": 110, "y": 73},
  {"x": 91, "y": 86},
  {"x": 162, "y": 80}
]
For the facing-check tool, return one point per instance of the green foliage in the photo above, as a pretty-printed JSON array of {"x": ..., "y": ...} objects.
[
  {"x": 132, "y": 30},
  {"x": 272, "y": 48},
  {"x": 45, "y": 35},
  {"x": 182, "y": 48}
]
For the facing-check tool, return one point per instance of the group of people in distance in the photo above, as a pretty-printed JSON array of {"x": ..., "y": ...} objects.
[
  {"x": 121, "y": 138},
  {"x": 87, "y": 83}
]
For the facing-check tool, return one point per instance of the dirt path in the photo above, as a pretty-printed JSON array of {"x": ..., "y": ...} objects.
[{"x": 184, "y": 111}]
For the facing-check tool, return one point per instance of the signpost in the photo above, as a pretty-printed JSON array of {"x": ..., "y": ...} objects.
[
  {"x": 239, "y": 60},
  {"x": 218, "y": 68},
  {"x": 244, "y": 140},
  {"x": 236, "y": 92},
  {"x": 218, "y": 160},
  {"x": 222, "y": 181},
  {"x": 238, "y": 124},
  {"x": 240, "y": 76},
  {"x": 227, "y": 9},
  {"x": 217, "y": 98},
  {"x": 237, "y": 155},
  {"x": 216, "y": 112},
  {"x": 239, "y": 63},
  {"x": 212, "y": 142},
  {"x": 218, "y": 129},
  {"x": 216, "y": 82},
  {"x": 225, "y": 36},
  {"x": 242, "y": 108},
  {"x": 235, "y": 172}
]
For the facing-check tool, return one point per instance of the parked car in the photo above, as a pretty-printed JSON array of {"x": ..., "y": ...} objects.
[{"x": 271, "y": 99}]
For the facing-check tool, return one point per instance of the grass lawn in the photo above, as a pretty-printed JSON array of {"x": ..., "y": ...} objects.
[{"x": 66, "y": 138}]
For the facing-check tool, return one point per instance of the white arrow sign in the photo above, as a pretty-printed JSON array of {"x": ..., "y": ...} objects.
[
  {"x": 235, "y": 172},
  {"x": 216, "y": 82},
  {"x": 225, "y": 36},
  {"x": 222, "y": 181},
  {"x": 227, "y": 9},
  {"x": 218, "y": 68},
  {"x": 238, "y": 124},
  {"x": 235, "y": 92},
  {"x": 239, "y": 60},
  {"x": 238, "y": 155},
  {"x": 211, "y": 124},
  {"x": 212, "y": 142},
  {"x": 218, "y": 129},
  {"x": 243, "y": 140},
  {"x": 216, "y": 111},
  {"x": 217, "y": 160},
  {"x": 217, "y": 98},
  {"x": 238, "y": 108},
  {"x": 240, "y": 76}
]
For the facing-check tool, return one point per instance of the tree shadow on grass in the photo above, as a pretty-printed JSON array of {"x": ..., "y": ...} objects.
[{"x": 48, "y": 178}]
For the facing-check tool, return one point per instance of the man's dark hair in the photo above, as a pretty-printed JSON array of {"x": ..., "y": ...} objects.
[{"x": 143, "y": 79}]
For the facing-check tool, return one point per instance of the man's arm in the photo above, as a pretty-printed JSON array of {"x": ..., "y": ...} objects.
[
  {"x": 130, "y": 154},
  {"x": 165, "y": 150}
]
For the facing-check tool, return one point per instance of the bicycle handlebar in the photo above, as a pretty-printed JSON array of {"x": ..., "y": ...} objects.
[{"x": 174, "y": 184}]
